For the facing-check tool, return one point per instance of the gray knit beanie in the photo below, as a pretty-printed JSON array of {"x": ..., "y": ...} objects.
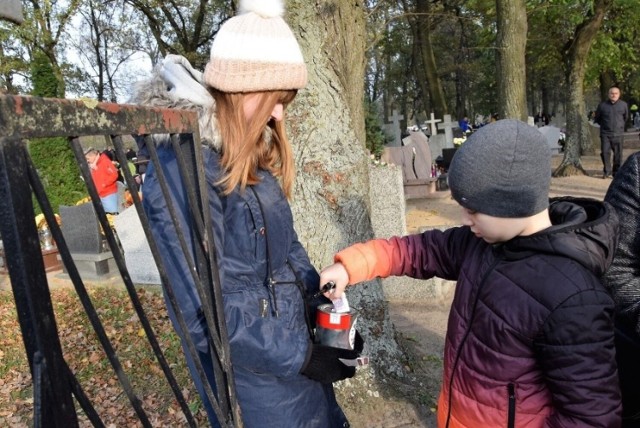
[{"x": 502, "y": 170}]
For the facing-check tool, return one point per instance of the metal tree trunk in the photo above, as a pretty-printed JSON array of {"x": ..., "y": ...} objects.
[
  {"x": 511, "y": 44},
  {"x": 331, "y": 200}
]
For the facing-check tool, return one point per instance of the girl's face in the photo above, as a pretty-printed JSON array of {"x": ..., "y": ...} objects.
[{"x": 253, "y": 100}]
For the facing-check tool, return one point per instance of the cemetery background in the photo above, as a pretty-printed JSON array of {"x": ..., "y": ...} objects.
[{"x": 418, "y": 310}]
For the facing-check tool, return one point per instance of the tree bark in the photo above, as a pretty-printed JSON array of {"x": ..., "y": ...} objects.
[
  {"x": 577, "y": 52},
  {"x": 331, "y": 200},
  {"x": 426, "y": 69},
  {"x": 511, "y": 45}
]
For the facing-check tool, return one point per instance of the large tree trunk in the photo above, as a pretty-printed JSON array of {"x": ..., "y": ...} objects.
[
  {"x": 577, "y": 51},
  {"x": 511, "y": 44},
  {"x": 331, "y": 201}
]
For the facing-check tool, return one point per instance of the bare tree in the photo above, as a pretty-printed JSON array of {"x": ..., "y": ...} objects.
[
  {"x": 106, "y": 42},
  {"x": 185, "y": 27},
  {"x": 44, "y": 26}
]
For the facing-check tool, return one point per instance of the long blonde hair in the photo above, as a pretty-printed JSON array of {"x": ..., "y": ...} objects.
[{"x": 249, "y": 146}]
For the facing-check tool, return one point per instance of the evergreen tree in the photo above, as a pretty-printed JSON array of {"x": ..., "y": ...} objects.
[{"x": 53, "y": 158}]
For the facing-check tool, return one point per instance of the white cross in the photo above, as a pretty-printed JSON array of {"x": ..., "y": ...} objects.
[
  {"x": 448, "y": 127},
  {"x": 432, "y": 124},
  {"x": 395, "y": 119}
]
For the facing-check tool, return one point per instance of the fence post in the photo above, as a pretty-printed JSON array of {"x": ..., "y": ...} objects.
[{"x": 30, "y": 289}]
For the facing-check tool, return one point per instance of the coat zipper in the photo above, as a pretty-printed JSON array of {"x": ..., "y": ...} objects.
[
  {"x": 270, "y": 281},
  {"x": 511, "y": 419},
  {"x": 464, "y": 338}
]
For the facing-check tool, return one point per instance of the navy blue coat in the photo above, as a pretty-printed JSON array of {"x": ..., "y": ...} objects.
[{"x": 268, "y": 331}]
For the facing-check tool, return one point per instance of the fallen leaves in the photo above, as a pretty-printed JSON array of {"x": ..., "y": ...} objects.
[{"x": 88, "y": 361}]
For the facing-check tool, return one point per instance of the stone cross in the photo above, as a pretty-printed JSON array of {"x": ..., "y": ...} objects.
[
  {"x": 397, "y": 134},
  {"x": 448, "y": 127},
  {"x": 432, "y": 124}
]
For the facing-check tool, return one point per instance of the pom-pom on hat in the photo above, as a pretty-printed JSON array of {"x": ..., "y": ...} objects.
[
  {"x": 502, "y": 170},
  {"x": 256, "y": 51}
]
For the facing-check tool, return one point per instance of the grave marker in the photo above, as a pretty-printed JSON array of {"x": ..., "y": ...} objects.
[
  {"x": 395, "y": 127},
  {"x": 137, "y": 253},
  {"x": 437, "y": 144},
  {"x": 432, "y": 123},
  {"x": 448, "y": 125},
  {"x": 82, "y": 233}
]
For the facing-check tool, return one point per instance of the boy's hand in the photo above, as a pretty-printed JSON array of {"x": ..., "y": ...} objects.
[{"x": 338, "y": 274}]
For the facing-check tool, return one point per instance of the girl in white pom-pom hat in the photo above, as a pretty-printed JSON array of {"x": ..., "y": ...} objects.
[{"x": 282, "y": 377}]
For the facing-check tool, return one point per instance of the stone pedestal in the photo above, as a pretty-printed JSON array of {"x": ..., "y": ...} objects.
[
  {"x": 95, "y": 266},
  {"x": 51, "y": 260}
]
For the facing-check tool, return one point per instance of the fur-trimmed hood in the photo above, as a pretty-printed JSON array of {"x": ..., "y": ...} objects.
[{"x": 174, "y": 83}]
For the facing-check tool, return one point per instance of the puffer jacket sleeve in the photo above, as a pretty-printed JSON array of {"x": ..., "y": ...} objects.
[
  {"x": 425, "y": 255},
  {"x": 577, "y": 356},
  {"x": 166, "y": 236},
  {"x": 623, "y": 277}
]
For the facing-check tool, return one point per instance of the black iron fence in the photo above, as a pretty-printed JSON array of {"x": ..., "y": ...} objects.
[{"x": 54, "y": 384}]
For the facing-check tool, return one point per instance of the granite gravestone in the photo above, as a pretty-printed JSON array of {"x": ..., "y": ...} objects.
[
  {"x": 388, "y": 218},
  {"x": 137, "y": 254},
  {"x": 436, "y": 145},
  {"x": 81, "y": 229},
  {"x": 83, "y": 236}
]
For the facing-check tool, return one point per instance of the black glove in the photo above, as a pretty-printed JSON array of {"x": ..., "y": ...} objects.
[{"x": 323, "y": 363}]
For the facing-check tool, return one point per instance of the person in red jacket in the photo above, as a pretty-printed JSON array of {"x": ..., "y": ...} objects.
[
  {"x": 530, "y": 337},
  {"x": 105, "y": 176}
]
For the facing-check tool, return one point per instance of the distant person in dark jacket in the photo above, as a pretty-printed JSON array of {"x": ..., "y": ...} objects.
[
  {"x": 612, "y": 116},
  {"x": 530, "y": 339},
  {"x": 283, "y": 378},
  {"x": 623, "y": 279}
]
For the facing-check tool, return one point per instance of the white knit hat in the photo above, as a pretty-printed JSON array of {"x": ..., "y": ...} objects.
[{"x": 256, "y": 51}]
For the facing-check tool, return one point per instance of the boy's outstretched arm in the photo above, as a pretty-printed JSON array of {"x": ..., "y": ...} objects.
[{"x": 358, "y": 263}]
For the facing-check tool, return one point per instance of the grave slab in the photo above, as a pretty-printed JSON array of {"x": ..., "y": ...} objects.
[
  {"x": 137, "y": 254},
  {"x": 82, "y": 233}
]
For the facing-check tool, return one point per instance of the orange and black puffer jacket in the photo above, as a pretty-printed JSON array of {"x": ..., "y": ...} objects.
[{"x": 530, "y": 335}]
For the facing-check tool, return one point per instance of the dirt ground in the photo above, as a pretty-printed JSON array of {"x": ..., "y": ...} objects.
[{"x": 421, "y": 325}]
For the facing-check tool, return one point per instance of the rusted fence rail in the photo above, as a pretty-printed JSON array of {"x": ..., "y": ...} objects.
[{"x": 54, "y": 384}]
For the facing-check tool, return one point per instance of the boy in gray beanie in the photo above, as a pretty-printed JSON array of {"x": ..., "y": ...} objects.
[{"x": 530, "y": 333}]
